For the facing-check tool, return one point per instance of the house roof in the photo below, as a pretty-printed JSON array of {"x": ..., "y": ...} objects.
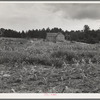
[{"x": 52, "y": 34}]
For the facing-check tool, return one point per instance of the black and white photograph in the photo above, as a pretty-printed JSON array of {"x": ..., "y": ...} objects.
[{"x": 49, "y": 47}]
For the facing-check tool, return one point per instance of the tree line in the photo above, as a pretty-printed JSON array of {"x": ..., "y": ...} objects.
[
  {"x": 86, "y": 35},
  {"x": 37, "y": 33}
]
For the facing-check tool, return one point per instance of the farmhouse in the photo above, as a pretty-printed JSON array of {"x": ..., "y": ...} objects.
[{"x": 55, "y": 37}]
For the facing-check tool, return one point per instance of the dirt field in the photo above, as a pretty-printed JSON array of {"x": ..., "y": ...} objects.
[{"x": 35, "y": 66}]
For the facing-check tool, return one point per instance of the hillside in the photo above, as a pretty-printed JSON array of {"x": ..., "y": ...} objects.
[{"x": 35, "y": 66}]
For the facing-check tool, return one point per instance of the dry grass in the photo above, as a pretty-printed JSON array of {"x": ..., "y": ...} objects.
[{"x": 44, "y": 67}]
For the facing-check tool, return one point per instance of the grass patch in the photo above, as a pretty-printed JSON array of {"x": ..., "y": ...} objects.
[{"x": 43, "y": 67}]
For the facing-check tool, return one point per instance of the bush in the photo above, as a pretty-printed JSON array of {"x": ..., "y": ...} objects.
[
  {"x": 57, "y": 62},
  {"x": 65, "y": 55},
  {"x": 11, "y": 57}
]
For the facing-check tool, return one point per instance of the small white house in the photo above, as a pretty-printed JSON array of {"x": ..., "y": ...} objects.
[{"x": 55, "y": 37}]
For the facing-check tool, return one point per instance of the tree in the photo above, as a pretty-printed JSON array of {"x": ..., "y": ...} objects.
[
  {"x": 2, "y": 30},
  {"x": 48, "y": 29},
  {"x": 23, "y": 34},
  {"x": 86, "y": 28}
]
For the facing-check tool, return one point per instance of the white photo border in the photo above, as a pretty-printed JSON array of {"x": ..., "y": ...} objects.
[{"x": 50, "y": 95}]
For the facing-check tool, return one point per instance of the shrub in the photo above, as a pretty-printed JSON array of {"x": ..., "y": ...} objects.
[
  {"x": 57, "y": 62},
  {"x": 65, "y": 55},
  {"x": 7, "y": 57}
]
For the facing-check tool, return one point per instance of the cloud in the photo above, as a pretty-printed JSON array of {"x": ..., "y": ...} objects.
[
  {"x": 79, "y": 11},
  {"x": 88, "y": 11},
  {"x": 29, "y": 16},
  {"x": 24, "y": 16}
]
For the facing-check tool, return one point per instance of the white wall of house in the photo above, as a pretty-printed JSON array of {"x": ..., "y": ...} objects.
[
  {"x": 55, "y": 38},
  {"x": 60, "y": 38}
]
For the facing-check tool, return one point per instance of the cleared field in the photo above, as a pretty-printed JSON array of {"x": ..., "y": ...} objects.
[{"x": 44, "y": 67}]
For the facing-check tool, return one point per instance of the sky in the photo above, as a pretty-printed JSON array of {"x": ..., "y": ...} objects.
[{"x": 68, "y": 16}]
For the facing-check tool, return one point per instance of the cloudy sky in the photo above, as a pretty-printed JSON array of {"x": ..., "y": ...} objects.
[{"x": 68, "y": 16}]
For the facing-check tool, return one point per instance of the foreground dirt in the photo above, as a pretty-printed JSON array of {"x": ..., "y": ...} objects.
[{"x": 47, "y": 79}]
